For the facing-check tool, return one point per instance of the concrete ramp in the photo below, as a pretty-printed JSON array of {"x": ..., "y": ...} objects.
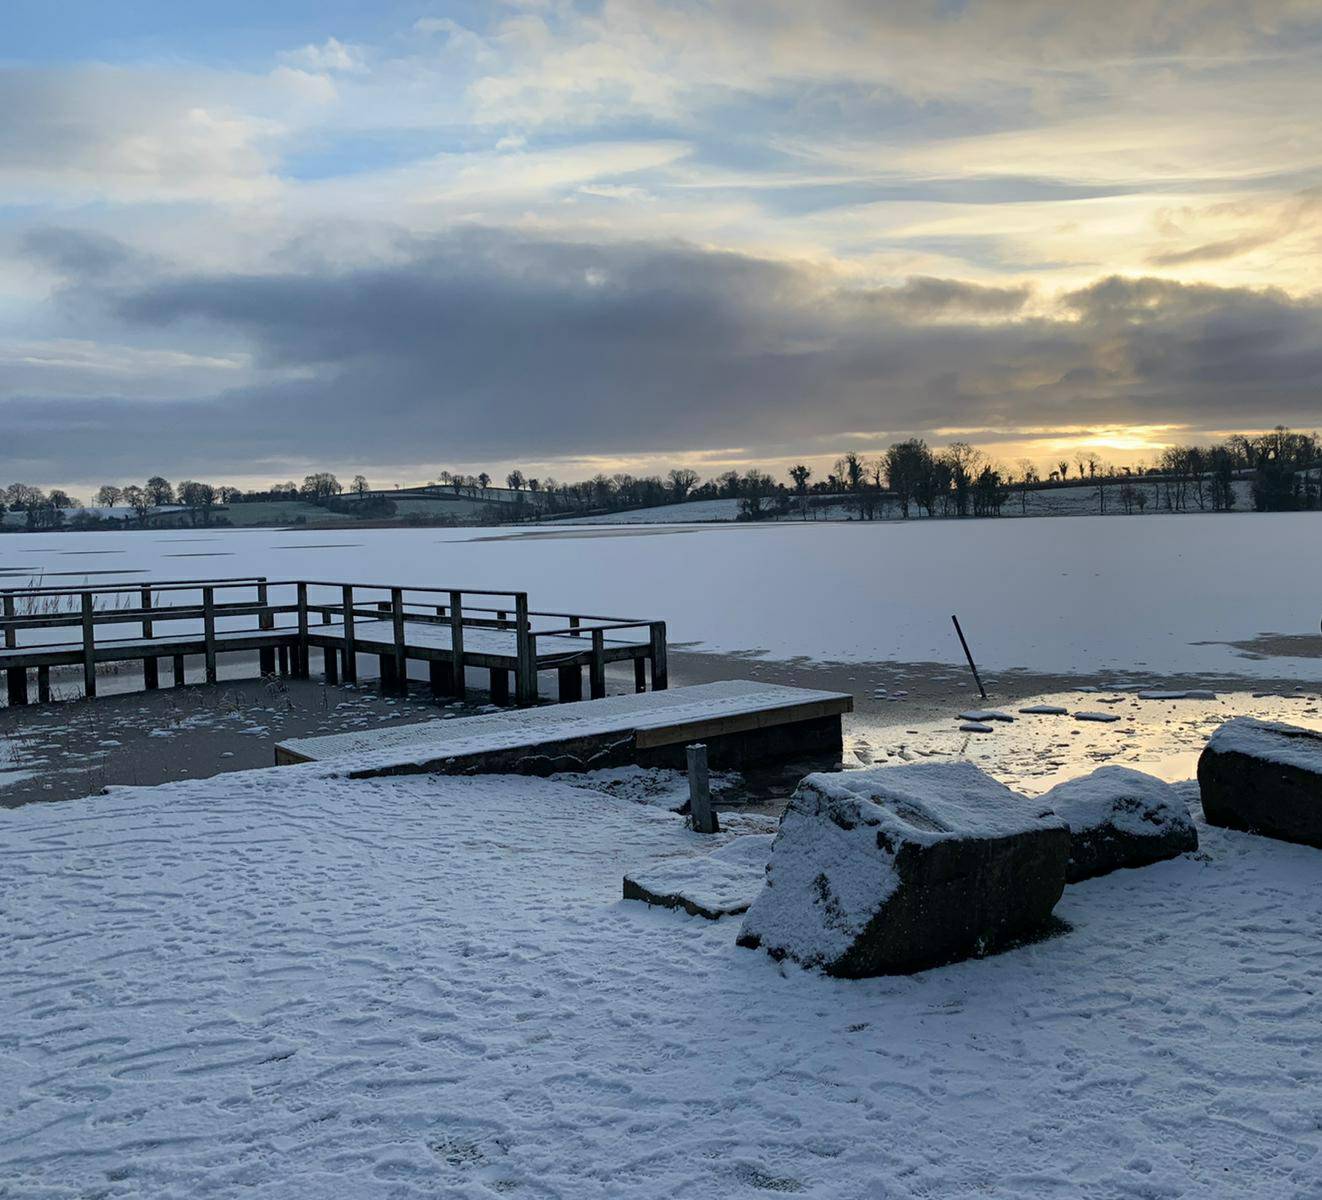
[{"x": 739, "y": 720}]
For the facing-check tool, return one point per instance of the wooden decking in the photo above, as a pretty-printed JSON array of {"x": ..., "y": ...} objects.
[
  {"x": 736, "y": 718},
  {"x": 453, "y": 630}
]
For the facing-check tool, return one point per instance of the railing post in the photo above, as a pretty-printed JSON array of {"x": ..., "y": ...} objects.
[
  {"x": 350, "y": 651},
  {"x": 397, "y": 624},
  {"x": 457, "y": 643},
  {"x": 525, "y": 654},
  {"x": 16, "y": 677},
  {"x": 265, "y": 621},
  {"x": 597, "y": 671},
  {"x": 150, "y": 668},
  {"x": 89, "y": 642},
  {"x": 301, "y": 672},
  {"x": 660, "y": 669},
  {"x": 209, "y": 631}
]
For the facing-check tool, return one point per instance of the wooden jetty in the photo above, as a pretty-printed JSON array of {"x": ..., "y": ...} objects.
[
  {"x": 738, "y": 720},
  {"x": 453, "y": 630}
]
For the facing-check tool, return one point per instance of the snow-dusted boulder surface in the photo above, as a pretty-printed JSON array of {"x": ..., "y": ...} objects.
[
  {"x": 1264, "y": 777},
  {"x": 722, "y": 883},
  {"x": 1120, "y": 818},
  {"x": 895, "y": 869}
]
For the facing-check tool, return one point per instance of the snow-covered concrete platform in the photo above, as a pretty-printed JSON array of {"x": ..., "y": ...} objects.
[
  {"x": 282, "y": 983},
  {"x": 735, "y": 718}
]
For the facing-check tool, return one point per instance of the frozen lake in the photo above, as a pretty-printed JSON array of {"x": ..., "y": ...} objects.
[{"x": 1152, "y": 595}]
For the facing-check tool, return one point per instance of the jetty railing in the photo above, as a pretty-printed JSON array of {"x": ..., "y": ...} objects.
[{"x": 284, "y": 619}]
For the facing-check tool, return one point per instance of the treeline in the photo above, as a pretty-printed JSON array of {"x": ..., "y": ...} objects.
[
  {"x": 197, "y": 501},
  {"x": 1282, "y": 470}
]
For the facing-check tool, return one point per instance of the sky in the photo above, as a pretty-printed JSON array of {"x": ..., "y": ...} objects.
[{"x": 243, "y": 242}]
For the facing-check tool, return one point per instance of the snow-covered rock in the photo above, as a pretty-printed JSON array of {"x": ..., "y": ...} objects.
[
  {"x": 722, "y": 883},
  {"x": 1264, "y": 777},
  {"x": 895, "y": 869},
  {"x": 1120, "y": 818}
]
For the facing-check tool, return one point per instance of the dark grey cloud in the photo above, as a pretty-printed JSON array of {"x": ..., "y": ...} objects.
[{"x": 492, "y": 346}]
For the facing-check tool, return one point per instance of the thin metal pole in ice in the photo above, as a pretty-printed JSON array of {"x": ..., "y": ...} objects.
[{"x": 967, "y": 654}]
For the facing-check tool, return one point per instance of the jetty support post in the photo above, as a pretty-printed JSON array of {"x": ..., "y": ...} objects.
[
  {"x": 179, "y": 675},
  {"x": 350, "y": 650},
  {"x": 701, "y": 813},
  {"x": 571, "y": 684},
  {"x": 151, "y": 676},
  {"x": 457, "y": 644},
  {"x": 89, "y": 650},
  {"x": 209, "y": 631},
  {"x": 16, "y": 677},
  {"x": 265, "y": 620},
  {"x": 43, "y": 684},
  {"x": 657, "y": 653},
  {"x": 525, "y": 654},
  {"x": 397, "y": 628},
  {"x": 301, "y": 670},
  {"x": 597, "y": 671}
]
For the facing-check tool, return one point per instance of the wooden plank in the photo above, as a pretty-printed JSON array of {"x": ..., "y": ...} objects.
[
  {"x": 89, "y": 648},
  {"x": 712, "y": 727},
  {"x": 640, "y": 674},
  {"x": 500, "y": 685}
]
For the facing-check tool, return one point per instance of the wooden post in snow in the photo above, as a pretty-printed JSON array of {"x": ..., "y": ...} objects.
[{"x": 703, "y": 816}]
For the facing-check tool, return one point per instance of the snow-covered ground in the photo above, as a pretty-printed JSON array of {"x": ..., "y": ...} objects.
[
  {"x": 1072, "y": 501},
  {"x": 278, "y": 984},
  {"x": 1158, "y": 596}
]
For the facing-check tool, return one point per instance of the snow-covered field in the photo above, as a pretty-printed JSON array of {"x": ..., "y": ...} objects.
[
  {"x": 1042, "y": 502},
  {"x": 278, "y": 984},
  {"x": 1159, "y": 595}
]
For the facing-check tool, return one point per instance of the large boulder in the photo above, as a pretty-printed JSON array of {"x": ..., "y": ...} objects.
[
  {"x": 895, "y": 869},
  {"x": 1264, "y": 777},
  {"x": 1120, "y": 818}
]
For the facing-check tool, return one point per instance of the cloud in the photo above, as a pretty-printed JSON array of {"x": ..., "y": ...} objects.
[
  {"x": 104, "y": 133},
  {"x": 485, "y": 345}
]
